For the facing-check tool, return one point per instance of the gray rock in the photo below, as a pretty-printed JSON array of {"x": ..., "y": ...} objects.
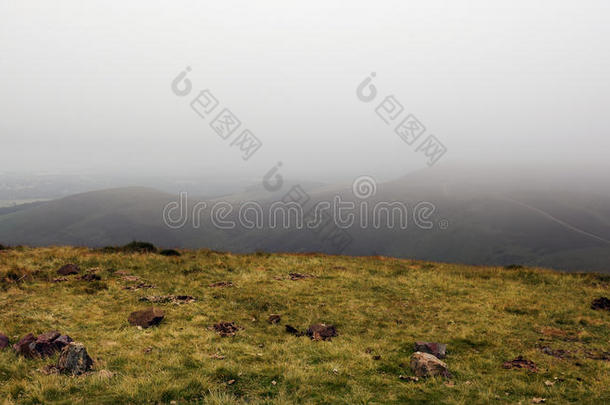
[
  {"x": 74, "y": 359},
  {"x": 427, "y": 365}
]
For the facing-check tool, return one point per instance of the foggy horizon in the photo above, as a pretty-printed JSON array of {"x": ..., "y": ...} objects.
[{"x": 89, "y": 89}]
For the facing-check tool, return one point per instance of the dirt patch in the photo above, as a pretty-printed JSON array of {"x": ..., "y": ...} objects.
[
  {"x": 165, "y": 299},
  {"x": 520, "y": 362},
  {"x": 222, "y": 284},
  {"x": 226, "y": 328},
  {"x": 601, "y": 303}
]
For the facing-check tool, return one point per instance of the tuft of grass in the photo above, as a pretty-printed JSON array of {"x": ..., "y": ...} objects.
[{"x": 380, "y": 306}]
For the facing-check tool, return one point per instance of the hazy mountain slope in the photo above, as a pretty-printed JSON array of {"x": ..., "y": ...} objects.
[{"x": 490, "y": 221}]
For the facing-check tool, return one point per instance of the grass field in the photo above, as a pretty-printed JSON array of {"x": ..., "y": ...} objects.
[{"x": 379, "y": 305}]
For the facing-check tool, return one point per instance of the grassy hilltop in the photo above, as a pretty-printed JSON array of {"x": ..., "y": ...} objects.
[{"x": 380, "y": 307}]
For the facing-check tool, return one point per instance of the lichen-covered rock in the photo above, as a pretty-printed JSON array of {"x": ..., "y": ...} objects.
[
  {"x": 74, "y": 359},
  {"x": 146, "y": 317},
  {"x": 427, "y": 365}
]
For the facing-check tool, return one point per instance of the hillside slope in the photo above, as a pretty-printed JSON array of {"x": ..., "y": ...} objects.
[{"x": 380, "y": 307}]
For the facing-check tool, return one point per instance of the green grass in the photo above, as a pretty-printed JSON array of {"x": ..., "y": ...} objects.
[{"x": 380, "y": 306}]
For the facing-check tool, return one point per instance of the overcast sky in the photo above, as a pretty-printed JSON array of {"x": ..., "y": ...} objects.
[{"x": 86, "y": 85}]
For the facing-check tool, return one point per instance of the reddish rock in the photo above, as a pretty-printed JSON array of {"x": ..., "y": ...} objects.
[
  {"x": 3, "y": 341},
  {"x": 436, "y": 349},
  {"x": 146, "y": 317},
  {"x": 44, "y": 345},
  {"x": 25, "y": 346},
  {"x": 321, "y": 331},
  {"x": 62, "y": 341},
  {"x": 68, "y": 269}
]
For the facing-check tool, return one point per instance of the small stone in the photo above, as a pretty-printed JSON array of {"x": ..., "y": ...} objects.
[
  {"x": 427, "y": 365},
  {"x": 230, "y": 382},
  {"x": 91, "y": 277},
  {"x": 74, "y": 359},
  {"x": 436, "y": 349},
  {"x": 549, "y": 383},
  {"x": 408, "y": 378},
  {"x": 62, "y": 341},
  {"x": 68, "y": 269},
  {"x": 537, "y": 400},
  {"x": 321, "y": 331},
  {"x": 601, "y": 303},
  {"x": 274, "y": 318},
  {"x": 274, "y": 382},
  {"x": 147, "y": 317},
  {"x": 3, "y": 341},
  {"x": 105, "y": 374}
]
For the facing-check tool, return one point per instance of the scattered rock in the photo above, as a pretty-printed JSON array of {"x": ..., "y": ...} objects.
[
  {"x": 163, "y": 299},
  {"x": 274, "y": 318},
  {"x": 146, "y": 318},
  {"x": 90, "y": 277},
  {"x": 537, "y": 400},
  {"x": 148, "y": 350},
  {"x": 121, "y": 273},
  {"x": 230, "y": 382},
  {"x": 226, "y": 328},
  {"x": 3, "y": 341},
  {"x": 601, "y": 303},
  {"x": 68, "y": 269},
  {"x": 222, "y": 284},
  {"x": 130, "y": 278},
  {"x": 25, "y": 346},
  {"x": 169, "y": 252},
  {"x": 408, "y": 378},
  {"x": 217, "y": 356},
  {"x": 293, "y": 331},
  {"x": 299, "y": 276},
  {"x": 427, "y": 365},
  {"x": 436, "y": 349},
  {"x": 376, "y": 357},
  {"x": 60, "y": 279},
  {"x": 74, "y": 359},
  {"x": 520, "y": 362},
  {"x": 320, "y": 331}
]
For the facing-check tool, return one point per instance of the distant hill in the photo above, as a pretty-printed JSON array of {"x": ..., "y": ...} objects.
[{"x": 489, "y": 220}]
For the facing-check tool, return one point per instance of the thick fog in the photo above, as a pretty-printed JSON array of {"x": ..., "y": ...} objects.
[{"x": 87, "y": 86}]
